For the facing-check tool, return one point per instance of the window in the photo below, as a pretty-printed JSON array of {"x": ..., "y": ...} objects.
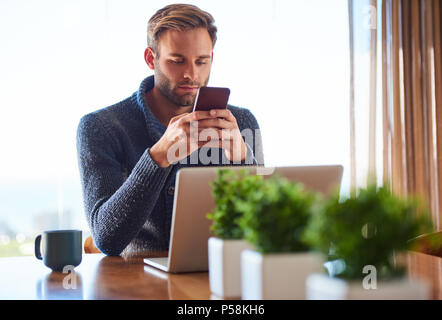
[{"x": 286, "y": 61}]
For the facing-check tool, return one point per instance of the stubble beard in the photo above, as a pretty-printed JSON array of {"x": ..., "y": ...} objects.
[{"x": 170, "y": 92}]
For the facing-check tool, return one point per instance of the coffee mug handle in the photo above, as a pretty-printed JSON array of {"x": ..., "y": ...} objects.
[{"x": 37, "y": 247}]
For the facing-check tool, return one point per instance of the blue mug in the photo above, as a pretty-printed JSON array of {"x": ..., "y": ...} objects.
[{"x": 59, "y": 248}]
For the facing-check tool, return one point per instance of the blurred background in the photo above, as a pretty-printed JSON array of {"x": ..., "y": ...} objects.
[{"x": 287, "y": 61}]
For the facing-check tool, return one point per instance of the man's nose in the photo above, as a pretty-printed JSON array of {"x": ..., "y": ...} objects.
[{"x": 190, "y": 72}]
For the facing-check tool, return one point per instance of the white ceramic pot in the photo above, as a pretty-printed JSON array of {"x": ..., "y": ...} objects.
[
  {"x": 277, "y": 276},
  {"x": 225, "y": 266},
  {"x": 324, "y": 287}
]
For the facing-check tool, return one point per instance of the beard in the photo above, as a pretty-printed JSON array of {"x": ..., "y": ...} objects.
[{"x": 170, "y": 91}]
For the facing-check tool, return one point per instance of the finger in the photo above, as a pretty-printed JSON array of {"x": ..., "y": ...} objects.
[
  {"x": 193, "y": 117},
  {"x": 217, "y": 123},
  {"x": 187, "y": 118},
  {"x": 199, "y": 115},
  {"x": 223, "y": 113},
  {"x": 176, "y": 118},
  {"x": 213, "y": 133}
]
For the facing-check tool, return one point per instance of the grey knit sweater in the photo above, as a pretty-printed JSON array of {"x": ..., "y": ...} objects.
[{"x": 128, "y": 198}]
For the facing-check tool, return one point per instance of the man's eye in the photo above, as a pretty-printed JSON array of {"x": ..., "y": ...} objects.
[
  {"x": 201, "y": 62},
  {"x": 176, "y": 61}
]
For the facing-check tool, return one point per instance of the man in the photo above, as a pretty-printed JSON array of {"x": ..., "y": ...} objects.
[{"x": 129, "y": 153}]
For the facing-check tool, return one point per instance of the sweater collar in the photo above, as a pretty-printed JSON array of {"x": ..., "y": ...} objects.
[{"x": 154, "y": 126}]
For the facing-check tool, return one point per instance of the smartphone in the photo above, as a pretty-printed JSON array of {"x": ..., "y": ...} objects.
[{"x": 209, "y": 98}]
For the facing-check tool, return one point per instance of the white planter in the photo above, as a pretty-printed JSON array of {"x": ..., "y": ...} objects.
[
  {"x": 225, "y": 266},
  {"x": 277, "y": 276},
  {"x": 324, "y": 287}
]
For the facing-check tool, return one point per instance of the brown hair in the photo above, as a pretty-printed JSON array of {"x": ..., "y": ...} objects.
[{"x": 179, "y": 17}]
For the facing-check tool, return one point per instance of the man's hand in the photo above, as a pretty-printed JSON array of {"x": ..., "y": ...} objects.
[
  {"x": 221, "y": 130},
  {"x": 188, "y": 132}
]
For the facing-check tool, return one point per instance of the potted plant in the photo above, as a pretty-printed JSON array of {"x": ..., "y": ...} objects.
[
  {"x": 274, "y": 220},
  {"x": 226, "y": 244},
  {"x": 363, "y": 237}
]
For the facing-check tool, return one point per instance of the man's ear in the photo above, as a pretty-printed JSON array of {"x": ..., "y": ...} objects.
[
  {"x": 212, "y": 57},
  {"x": 149, "y": 57}
]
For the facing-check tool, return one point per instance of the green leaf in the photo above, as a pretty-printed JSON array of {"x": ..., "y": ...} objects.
[{"x": 366, "y": 229}]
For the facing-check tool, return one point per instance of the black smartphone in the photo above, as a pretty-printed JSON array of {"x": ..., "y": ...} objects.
[{"x": 209, "y": 98}]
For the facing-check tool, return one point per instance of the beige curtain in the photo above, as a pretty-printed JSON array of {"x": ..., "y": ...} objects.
[{"x": 408, "y": 95}]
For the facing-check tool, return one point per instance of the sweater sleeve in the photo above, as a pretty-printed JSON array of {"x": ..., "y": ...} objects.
[
  {"x": 116, "y": 207},
  {"x": 252, "y": 137}
]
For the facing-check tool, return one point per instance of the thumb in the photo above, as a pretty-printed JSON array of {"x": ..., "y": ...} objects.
[{"x": 173, "y": 119}]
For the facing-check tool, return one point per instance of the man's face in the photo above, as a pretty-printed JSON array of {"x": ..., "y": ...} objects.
[{"x": 182, "y": 64}]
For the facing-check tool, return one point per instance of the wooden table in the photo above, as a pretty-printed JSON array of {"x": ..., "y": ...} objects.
[
  {"x": 101, "y": 277},
  {"x": 98, "y": 277}
]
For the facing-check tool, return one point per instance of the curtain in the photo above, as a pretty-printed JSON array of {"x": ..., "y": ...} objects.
[{"x": 403, "y": 113}]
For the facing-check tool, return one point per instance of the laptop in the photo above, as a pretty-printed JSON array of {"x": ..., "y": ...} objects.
[{"x": 190, "y": 229}]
